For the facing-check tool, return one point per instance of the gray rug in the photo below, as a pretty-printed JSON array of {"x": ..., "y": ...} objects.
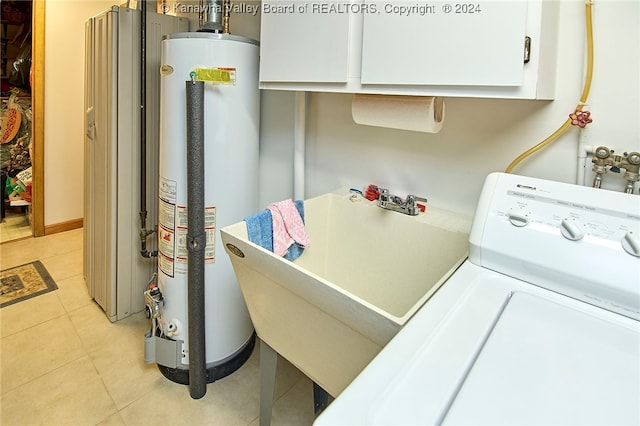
[{"x": 24, "y": 282}]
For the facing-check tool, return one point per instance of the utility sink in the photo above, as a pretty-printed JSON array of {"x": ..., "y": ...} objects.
[{"x": 365, "y": 274}]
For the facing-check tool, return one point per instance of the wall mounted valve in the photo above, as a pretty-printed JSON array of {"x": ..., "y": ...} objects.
[{"x": 605, "y": 159}]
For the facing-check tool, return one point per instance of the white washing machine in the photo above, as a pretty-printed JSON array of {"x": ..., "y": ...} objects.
[{"x": 541, "y": 325}]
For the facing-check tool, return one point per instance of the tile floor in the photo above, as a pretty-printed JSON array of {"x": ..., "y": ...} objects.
[
  {"x": 14, "y": 226},
  {"x": 63, "y": 363}
]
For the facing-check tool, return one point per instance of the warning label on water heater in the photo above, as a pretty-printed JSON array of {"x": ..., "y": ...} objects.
[
  {"x": 181, "y": 258},
  {"x": 167, "y": 226},
  {"x": 173, "y": 231},
  {"x": 219, "y": 75}
]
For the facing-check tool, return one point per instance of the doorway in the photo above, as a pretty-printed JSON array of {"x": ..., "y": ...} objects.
[{"x": 23, "y": 91}]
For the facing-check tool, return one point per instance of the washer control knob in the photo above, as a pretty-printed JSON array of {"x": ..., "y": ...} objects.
[
  {"x": 518, "y": 219},
  {"x": 631, "y": 244},
  {"x": 570, "y": 230}
]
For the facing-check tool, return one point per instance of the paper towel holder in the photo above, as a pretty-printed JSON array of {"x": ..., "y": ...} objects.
[{"x": 404, "y": 112}]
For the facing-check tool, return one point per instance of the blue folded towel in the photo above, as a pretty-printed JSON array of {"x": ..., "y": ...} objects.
[{"x": 260, "y": 231}]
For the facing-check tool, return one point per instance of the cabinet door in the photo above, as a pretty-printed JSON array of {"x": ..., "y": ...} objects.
[
  {"x": 301, "y": 41},
  {"x": 476, "y": 43}
]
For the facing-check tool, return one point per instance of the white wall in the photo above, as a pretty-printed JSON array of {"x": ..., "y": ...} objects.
[
  {"x": 64, "y": 106},
  {"x": 479, "y": 135}
]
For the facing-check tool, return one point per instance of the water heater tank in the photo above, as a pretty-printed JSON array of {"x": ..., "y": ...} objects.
[{"x": 229, "y": 67}]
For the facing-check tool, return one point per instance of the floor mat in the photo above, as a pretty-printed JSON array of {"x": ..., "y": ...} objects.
[{"x": 24, "y": 282}]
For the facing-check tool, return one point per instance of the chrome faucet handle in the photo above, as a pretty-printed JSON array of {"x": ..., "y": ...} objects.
[
  {"x": 413, "y": 198},
  {"x": 412, "y": 205},
  {"x": 384, "y": 198}
]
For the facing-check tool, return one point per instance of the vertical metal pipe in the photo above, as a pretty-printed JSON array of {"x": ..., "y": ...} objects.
[
  {"x": 143, "y": 114},
  {"x": 299, "y": 144},
  {"x": 226, "y": 13},
  {"x": 214, "y": 17},
  {"x": 196, "y": 238},
  {"x": 144, "y": 232}
]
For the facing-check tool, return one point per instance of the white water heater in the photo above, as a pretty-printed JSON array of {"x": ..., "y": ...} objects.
[{"x": 228, "y": 65}]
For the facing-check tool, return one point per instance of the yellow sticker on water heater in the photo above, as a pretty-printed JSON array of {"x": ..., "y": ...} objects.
[{"x": 216, "y": 75}]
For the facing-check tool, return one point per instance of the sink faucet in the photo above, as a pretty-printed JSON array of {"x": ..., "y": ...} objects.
[{"x": 397, "y": 204}]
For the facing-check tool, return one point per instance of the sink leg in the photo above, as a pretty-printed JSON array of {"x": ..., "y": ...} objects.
[
  {"x": 320, "y": 398},
  {"x": 268, "y": 364}
]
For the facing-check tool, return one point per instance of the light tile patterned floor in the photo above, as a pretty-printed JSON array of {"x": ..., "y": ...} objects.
[
  {"x": 14, "y": 226},
  {"x": 64, "y": 363}
]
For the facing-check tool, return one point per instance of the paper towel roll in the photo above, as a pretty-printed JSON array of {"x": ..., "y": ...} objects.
[{"x": 417, "y": 113}]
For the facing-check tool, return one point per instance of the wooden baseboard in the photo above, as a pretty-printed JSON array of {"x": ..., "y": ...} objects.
[{"x": 63, "y": 226}]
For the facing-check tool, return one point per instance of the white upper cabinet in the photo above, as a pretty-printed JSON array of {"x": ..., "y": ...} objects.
[
  {"x": 481, "y": 47},
  {"x": 299, "y": 45},
  {"x": 494, "y": 49}
]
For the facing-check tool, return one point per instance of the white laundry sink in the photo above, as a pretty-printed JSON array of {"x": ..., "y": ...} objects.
[{"x": 365, "y": 274}]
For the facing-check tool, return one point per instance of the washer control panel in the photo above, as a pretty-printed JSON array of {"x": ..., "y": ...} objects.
[
  {"x": 579, "y": 241},
  {"x": 530, "y": 206}
]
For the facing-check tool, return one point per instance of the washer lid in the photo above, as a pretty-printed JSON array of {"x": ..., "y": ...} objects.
[
  {"x": 546, "y": 363},
  {"x": 489, "y": 349}
]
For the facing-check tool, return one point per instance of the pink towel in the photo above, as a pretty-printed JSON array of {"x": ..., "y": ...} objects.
[{"x": 288, "y": 227}]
